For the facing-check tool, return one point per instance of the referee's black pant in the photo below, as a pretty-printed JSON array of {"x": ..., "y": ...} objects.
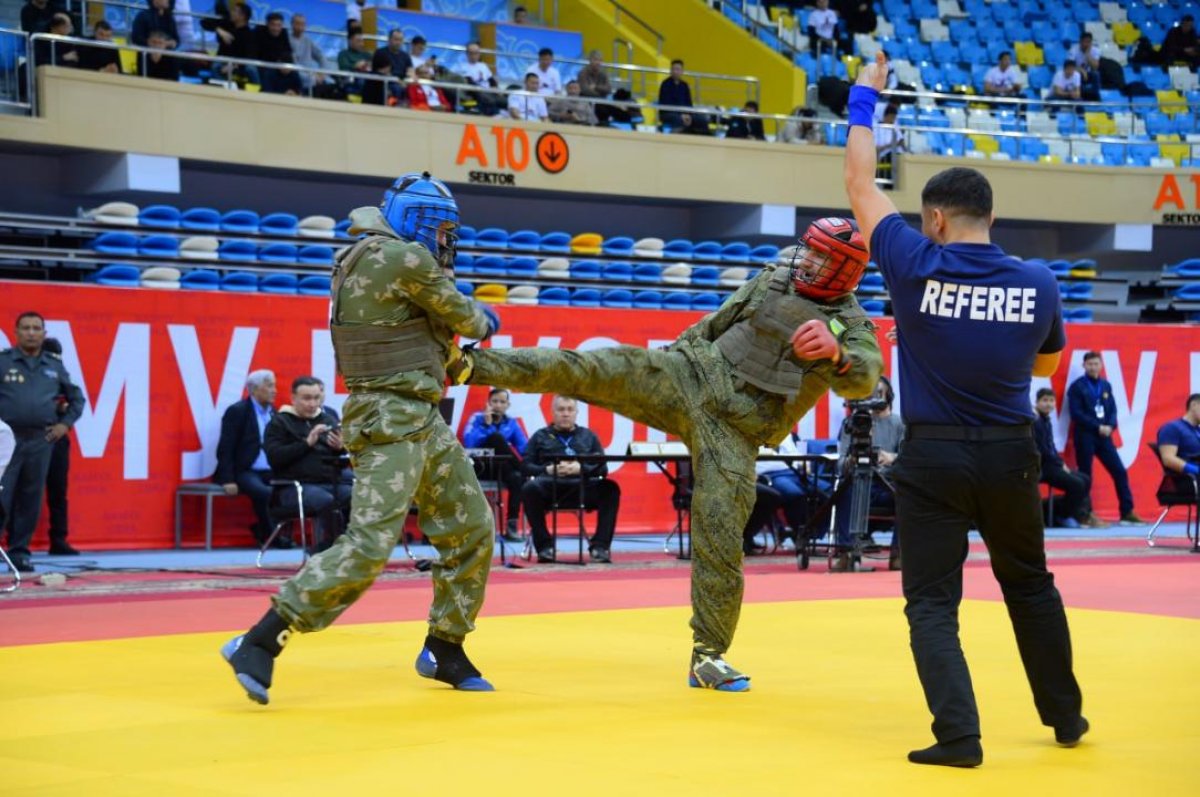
[{"x": 943, "y": 488}]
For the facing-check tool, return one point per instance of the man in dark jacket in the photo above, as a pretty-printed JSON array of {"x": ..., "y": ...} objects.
[
  {"x": 1075, "y": 508},
  {"x": 676, "y": 91},
  {"x": 303, "y": 442},
  {"x": 1094, "y": 414},
  {"x": 101, "y": 59},
  {"x": 558, "y": 483},
  {"x": 271, "y": 44},
  {"x": 157, "y": 16},
  {"x": 1180, "y": 45},
  {"x": 37, "y": 14},
  {"x": 242, "y": 465}
]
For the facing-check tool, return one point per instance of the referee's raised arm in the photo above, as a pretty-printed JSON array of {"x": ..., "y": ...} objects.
[{"x": 869, "y": 204}]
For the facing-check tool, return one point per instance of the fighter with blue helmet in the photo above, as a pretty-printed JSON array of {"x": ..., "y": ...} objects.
[{"x": 394, "y": 313}]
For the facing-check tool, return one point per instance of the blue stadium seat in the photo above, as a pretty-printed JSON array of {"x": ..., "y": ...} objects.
[
  {"x": 243, "y": 221},
  {"x": 279, "y": 224},
  {"x": 620, "y": 246},
  {"x": 313, "y": 285},
  {"x": 1033, "y": 148},
  {"x": 736, "y": 252},
  {"x": 464, "y": 263},
  {"x": 647, "y": 272},
  {"x": 1069, "y": 124},
  {"x": 491, "y": 266},
  {"x": 932, "y": 76},
  {"x": 165, "y": 246},
  {"x": 491, "y": 238},
  {"x": 1143, "y": 153},
  {"x": 200, "y": 279},
  {"x": 282, "y": 284},
  {"x": 466, "y": 237},
  {"x": 1185, "y": 268},
  {"x": 1155, "y": 78},
  {"x": 522, "y": 267},
  {"x": 1040, "y": 77},
  {"x": 239, "y": 282},
  {"x": 1080, "y": 315},
  {"x": 706, "y": 250},
  {"x": 585, "y": 270},
  {"x": 765, "y": 253},
  {"x": 278, "y": 253},
  {"x": 618, "y": 297},
  {"x": 200, "y": 219},
  {"x": 315, "y": 255},
  {"x": 945, "y": 52},
  {"x": 114, "y": 243},
  {"x": 677, "y": 300},
  {"x": 585, "y": 297},
  {"x": 237, "y": 251},
  {"x": 1185, "y": 123},
  {"x": 163, "y": 216},
  {"x": 1113, "y": 154},
  {"x": 342, "y": 229},
  {"x": 464, "y": 287},
  {"x": 1077, "y": 291},
  {"x": 1158, "y": 123},
  {"x": 556, "y": 243},
  {"x": 706, "y": 302},
  {"x": 873, "y": 307},
  {"x": 706, "y": 276},
  {"x": 117, "y": 275},
  {"x": 618, "y": 271},
  {"x": 648, "y": 300},
  {"x": 525, "y": 241},
  {"x": 554, "y": 297},
  {"x": 1060, "y": 268},
  {"x": 678, "y": 248},
  {"x": 872, "y": 283}
]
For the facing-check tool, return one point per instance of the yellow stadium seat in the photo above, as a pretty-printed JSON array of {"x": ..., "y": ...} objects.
[
  {"x": 1100, "y": 124},
  {"x": 1171, "y": 102},
  {"x": 587, "y": 243},
  {"x": 1050, "y": 159},
  {"x": 852, "y": 62},
  {"x": 1083, "y": 272},
  {"x": 1178, "y": 152},
  {"x": 1167, "y": 138},
  {"x": 129, "y": 61},
  {"x": 1029, "y": 54},
  {"x": 1125, "y": 33},
  {"x": 491, "y": 293},
  {"x": 776, "y": 12},
  {"x": 984, "y": 144}
]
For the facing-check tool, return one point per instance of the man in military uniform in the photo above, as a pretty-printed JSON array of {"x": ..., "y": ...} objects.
[
  {"x": 31, "y": 382},
  {"x": 739, "y": 378},
  {"x": 394, "y": 313}
]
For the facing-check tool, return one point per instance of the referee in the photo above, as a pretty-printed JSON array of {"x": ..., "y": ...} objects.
[{"x": 974, "y": 325}]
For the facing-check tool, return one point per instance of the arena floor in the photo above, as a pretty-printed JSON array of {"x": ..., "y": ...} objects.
[{"x": 113, "y": 684}]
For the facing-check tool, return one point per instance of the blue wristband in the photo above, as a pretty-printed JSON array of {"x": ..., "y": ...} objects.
[
  {"x": 862, "y": 106},
  {"x": 1192, "y": 469}
]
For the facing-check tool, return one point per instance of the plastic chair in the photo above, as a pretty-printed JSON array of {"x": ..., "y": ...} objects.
[
  {"x": 200, "y": 279},
  {"x": 464, "y": 263},
  {"x": 585, "y": 297},
  {"x": 466, "y": 236},
  {"x": 279, "y": 224},
  {"x": 706, "y": 276},
  {"x": 647, "y": 272},
  {"x": 342, "y": 229},
  {"x": 114, "y": 243},
  {"x": 491, "y": 266},
  {"x": 282, "y": 284},
  {"x": 585, "y": 270},
  {"x": 117, "y": 275},
  {"x": 464, "y": 287},
  {"x": 556, "y": 243},
  {"x": 522, "y": 267},
  {"x": 315, "y": 255},
  {"x": 161, "y": 278},
  {"x": 241, "y": 221},
  {"x": 313, "y": 285},
  {"x": 766, "y": 253},
  {"x": 706, "y": 302},
  {"x": 619, "y": 298},
  {"x": 162, "y": 216},
  {"x": 677, "y": 300},
  {"x": 524, "y": 241},
  {"x": 237, "y": 251},
  {"x": 618, "y": 271},
  {"x": 200, "y": 219},
  {"x": 678, "y": 248},
  {"x": 736, "y": 252},
  {"x": 239, "y": 282},
  {"x": 587, "y": 243},
  {"x": 621, "y": 246},
  {"x": 554, "y": 297},
  {"x": 160, "y": 246},
  {"x": 648, "y": 300},
  {"x": 491, "y": 238},
  {"x": 706, "y": 250},
  {"x": 278, "y": 253}
]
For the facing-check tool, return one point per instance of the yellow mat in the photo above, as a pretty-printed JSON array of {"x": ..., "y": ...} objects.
[{"x": 595, "y": 703}]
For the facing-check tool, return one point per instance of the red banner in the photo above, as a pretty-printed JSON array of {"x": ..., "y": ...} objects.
[{"x": 159, "y": 368}]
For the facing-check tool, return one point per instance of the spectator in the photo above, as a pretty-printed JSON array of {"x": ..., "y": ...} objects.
[
  {"x": 493, "y": 429},
  {"x": 549, "y": 81},
  {"x": 564, "y": 437},
  {"x": 402, "y": 62},
  {"x": 887, "y": 432},
  {"x": 1067, "y": 83},
  {"x": 157, "y": 16},
  {"x": 36, "y": 15},
  {"x": 101, "y": 59},
  {"x": 158, "y": 64},
  {"x": 802, "y": 129},
  {"x": 181, "y": 10},
  {"x": 1075, "y": 507},
  {"x": 1087, "y": 58},
  {"x": 34, "y": 386},
  {"x": 58, "y": 475},
  {"x": 520, "y": 16},
  {"x": 356, "y": 57},
  {"x": 572, "y": 109},
  {"x": 1002, "y": 80},
  {"x": 416, "y": 51},
  {"x": 1180, "y": 45},
  {"x": 783, "y": 478},
  {"x": 676, "y": 91},
  {"x": 272, "y": 45},
  {"x": 354, "y": 9},
  {"x": 1179, "y": 445},
  {"x": 303, "y": 442},
  {"x": 375, "y": 92},
  {"x": 306, "y": 52},
  {"x": 57, "y": 53},
  {"x": 477, "y": 73},
  {"x": 422, "y": 96},
  {"x": 530, "y": 105},
  {"x": 242, "y": 465},
  {"x": 822, "y": 29},
  {"x": 1094, "y": 412},
  {"x": 593, "y": 79},
  {"x": 235, "y": 39},
  {"x": 746, "y": 127},
  {"x": 1142, "y": 53},
  {"x": 888, "y": 142},
  {"x": 858, "y": 16}
]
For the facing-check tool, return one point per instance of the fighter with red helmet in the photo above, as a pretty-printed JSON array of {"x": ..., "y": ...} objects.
[{"x": 737, "y": 379}]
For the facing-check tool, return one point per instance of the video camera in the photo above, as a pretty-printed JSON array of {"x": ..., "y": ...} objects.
[{"x": 858, "y": 426}]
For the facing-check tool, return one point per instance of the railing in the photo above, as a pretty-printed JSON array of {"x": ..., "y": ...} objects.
[
  {"x": 755, "y": 27},
  {"x": 16, "y": 79},
  {"x": 619, "y": 10}
]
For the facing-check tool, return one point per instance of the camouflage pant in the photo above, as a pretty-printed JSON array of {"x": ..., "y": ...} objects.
[
  {"x": 689, "y": 396},
  {"x": 403, "y": 451}
]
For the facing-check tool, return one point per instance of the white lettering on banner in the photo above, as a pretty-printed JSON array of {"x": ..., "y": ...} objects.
[
  {"x": 1195, "y": 371},
  {"x": 324, "y": 367},
  {"x": 206, "y": 412},
  {"x": 952, "y": 300},
  {"x": 1131, "y": 416},
  {"x": 128, "y": 375},
  {"x": 622, "y": 428},
  {"x": 1060, "y": 420}
]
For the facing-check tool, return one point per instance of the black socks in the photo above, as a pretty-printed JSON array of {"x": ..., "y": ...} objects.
[
  {"x": 453, "y": 666},
  {"x": 270, "y": 633},
  {"x": 964, "y": 752}
]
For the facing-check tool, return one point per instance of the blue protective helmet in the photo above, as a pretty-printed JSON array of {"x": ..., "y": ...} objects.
[{"x": 417, "y": 207}]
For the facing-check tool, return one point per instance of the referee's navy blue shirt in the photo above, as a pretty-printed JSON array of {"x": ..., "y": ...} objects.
[
  {"x": 971, "y": 319},
  {"x": 1182, "y": 434}
]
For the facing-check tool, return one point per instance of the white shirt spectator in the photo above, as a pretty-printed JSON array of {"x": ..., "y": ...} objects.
[
  {"x": 888, "y": 141},
  {"x": 431, "y": 96},
  {"x": 532, "y": 108},
  {"x": 1060, "y": 82},
  {"x": 477, "y": 74},
  {"x": 823, "y": 21},
  {"x": 418, "y": 60},
  {"x": 354, "y": 10},
  {"x": 1089, "y": 60},
  {"x": 786, "y": 446},
  {"x": 1003, "y": 78},
  {"x": 182, "y": 9},
  {"x": 549, "y": 81}
]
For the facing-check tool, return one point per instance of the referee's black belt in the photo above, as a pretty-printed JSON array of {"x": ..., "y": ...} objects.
[{"x": 975, "y": 434}]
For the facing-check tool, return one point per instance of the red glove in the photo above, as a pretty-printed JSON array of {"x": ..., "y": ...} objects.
[{"x": 814, "y": 341}]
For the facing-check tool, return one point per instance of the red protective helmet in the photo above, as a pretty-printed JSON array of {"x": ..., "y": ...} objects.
[{"x": 830, "y": 260}]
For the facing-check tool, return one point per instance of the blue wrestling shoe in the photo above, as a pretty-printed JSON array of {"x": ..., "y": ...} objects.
[
  {"x": 713, "y": 672},
  {"x": 252, "y": 666},
  {"x": 447, "y": 662}
]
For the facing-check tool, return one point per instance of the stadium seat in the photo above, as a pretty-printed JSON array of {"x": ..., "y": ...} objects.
[
  {"x": 278, "y": 253},
  {"x": 873, "y": 307},
  {"x": 620, "y": 246},
  {"x": 619, "y": 298},
  {"x": 120, "y": 213},
  {"x": 555, "y": 243},
  {"x": 1183, "y": 78},
  {"x": 705, "y": 302},
  {"x": 585, "y": 297},
  {"x": 585, "y": 270},
  {"x": 706, "y": 250},
  {"x": 1077, "y": 291},
  {"x": 648, "y": 300},
  {"x": 1155, "y": 78},
  {"x": 315, "y": 255},
  {"x": 491, "y": 238},
  {"x": 525, "y": 241},
  {"x": 490, "y": 266},
  {"x": 117, "y": 275},
  {"x": 491, "y": 293},
  {"x": 284, "y": 224},
  {"x": 618, "y": 271},
  {"x": 466, "y": 237},
  {"x": 200, "y": 279},
  {"x": 766, "y": 253},
  {"x": 239, "y": 282},
  {"x": 464, "y": 263},
  {"x": 677, "y": 274},
  {"x": 1080, "y": 315},
  {"x": 199, "y": 247},
  {"x": 242, "y": 221},
  {"x": 587, "y": 243},
  {"x": 736, "y": 252},
  {"x": 1189, "y": 268},
  {"x": 1033, "y": 148},
  {"x": 734, "y": 276},
  {"x": 1060, "y": 268},
  {"x": 161, "y": 278},
  {"x": 200, "y": 220},
  {"x": 315, "y": 227},
  {"x": 678, "y": 248},
  {"x": 706, "y": 276},
  {"x": 1098, "y": 124},
  {"x": 648, "y": 247},
  {"x": 677, "y": 300},
  {"x": 554, "y": 268},
  {"x": 521, "y": 268},
  {"x": 872, "y": 282},
  {"x": 1189, "y": 292},
  {"x": 523, "y": 294},
  {"x": 648, "y": 273},
  {"x": 114, "y": 243},
  {"x": 163, "y": 246},
  {"x": 554, "y": 297},
  {"x": 237, "y": 251},
  {"x": 313, "y": 285},
  {"x": 163, "y": 216},
  {"x": 1171, "y": 102},
  {"x": 281, "y": 284},
  {"x": 464, "y": 287},
  {"x": 342, "y": 229}
]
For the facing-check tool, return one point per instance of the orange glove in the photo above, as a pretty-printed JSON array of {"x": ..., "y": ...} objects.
[{"x": 814, "y": 341}]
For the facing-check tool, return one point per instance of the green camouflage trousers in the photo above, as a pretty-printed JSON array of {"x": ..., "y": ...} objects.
[
  {"x": 403, "y": 452},
  {"x": 688, "y": 392}
]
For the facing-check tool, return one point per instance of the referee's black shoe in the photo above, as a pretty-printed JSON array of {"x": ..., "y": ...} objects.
[
  {"x": 964, "y": 752},
  {"x": 1069, "y": 735}
]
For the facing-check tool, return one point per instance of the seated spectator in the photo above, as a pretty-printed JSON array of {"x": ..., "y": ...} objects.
[
  {"x": 822, "y": 29},
  {"x": 1003, "y": 80},
  {"x": 744, "y": 127},
  {"x": 375, "y": 92},
  {"x": 1142, "y": 53},
  {"x": 564, "y": 437},
  {"x": 802, "y": 129},
  {"x": 887, "y": 432},
  {"x": 272, "y": 45},
  {"x": 767, "y": 501},
  {"x": 185, "y": 25},
  {"x": 401, "y": 63},
  {"x": 493, "y": 429},
  {"x": 242, "y": 466},
  {"x": 572, "y": 109},
  {"x": 156, "y": 17},
  {"x": 858, "y": 16},
  {"x": 1074, "y": 509},
  {"x": 57, "y": 53},
  {"x": 549, "y": 81},
  {"x": 356, "y": 57},
  {"x": 1180, "y": 46},
  {"x": 303, "y": 442},
  {"x": 36, "y": 15},
  {"x": 477, "y": 73},
  {"x": 676, "y": 91},
  {"x": 1087, "y": 60},
  {"x": 306, "y": 52},
  {"x": 416, "y": 51},
  {"x": 423, "y": 97},
  {"x": 101, "y": 59},
  {"x": 1179, "y": 446},
  {"x": 593, "y": 79},
  {"x": 1067, "y": 83},
  {"x": 792, "y": 489},
  {"x": 889, "y": 141},
  {"x": 158, "y": 64},
  {"x": 529, "y": 106},
  {"x": 520, "y": 16},
  {"x": 235, "y": 39},
  {"x": 354, "y": 9}
]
